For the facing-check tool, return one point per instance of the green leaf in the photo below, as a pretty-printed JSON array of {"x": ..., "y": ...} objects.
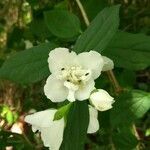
[
  {"x": 39, "y": 29},
  {"x": 62, "y": 23},
  {"x": 62, "y": 112},
  {"x": 28, "y": 66},
  {"x": 76, "y": 129},
  {"x": 125, "y": 139},
  {"x": 4, "y": 109},
  {"x": 15, "y": 116},
  {"x": 62, "y": 5},
  {"x": 18, "y": 141},
  {"x": 147, "y": 132},
  {"x": 131, "y": 51},
  {"x": 129, "y": 106},
  {"x": 126, "y": 78},
  {"x": 100, "y": 31},
  {"x": 10, "y": 117}
]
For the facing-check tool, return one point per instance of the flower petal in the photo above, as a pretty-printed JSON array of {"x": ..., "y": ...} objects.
[
  {"x": 93, "y": 122},
  {"x": 37, "y": 120},
  {"x": 55, "y": 90},
  {"x": 53, "y": 136},
  {"x": 91, "y": 60},
  {"x": 108, "y": 64},
  {"x": 60, "y": 58},
  {"x": 84, "y": 92},
  {"x": 51, "y": 131}
]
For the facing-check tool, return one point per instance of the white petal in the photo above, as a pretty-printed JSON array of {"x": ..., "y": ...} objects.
[
  {"x": 60, "y": 58},
  {"x": 84, "y": 92},
  {"x": 108, "y": 64},
  {"x": 34, "y": 128},
  {"x": 72, "y": 88},
  {"x": 55, "y": 90},
  {"x": 51, "y": 131},
  {"x": 52, "y": 136},
  {"x": 101, "y": 100},
  {"x": 41, "y": 119},
  {"x": 93, "y": 120},
  {"x": 91, "y": 60}
]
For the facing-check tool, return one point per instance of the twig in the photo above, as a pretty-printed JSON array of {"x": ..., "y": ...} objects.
[
  {"x": 84, "y": 15},
  {"x": 114, "y": 82},
  {"x": 137, "y": 136}
]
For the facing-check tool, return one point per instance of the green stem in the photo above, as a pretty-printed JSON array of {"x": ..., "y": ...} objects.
[{"x": 137, "y": 136}]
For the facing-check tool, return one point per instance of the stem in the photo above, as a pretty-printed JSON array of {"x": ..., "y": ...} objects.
[
  {"x": 114, "y": 81},
  {"x": 84, "y": 15},
  {"x": 137, "y": 136}
]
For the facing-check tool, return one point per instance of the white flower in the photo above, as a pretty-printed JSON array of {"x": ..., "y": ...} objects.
[
  {"x": 52, "y": 131},
  {"x": 101, "y": 100},
  {"x": 72, "y": 75}
]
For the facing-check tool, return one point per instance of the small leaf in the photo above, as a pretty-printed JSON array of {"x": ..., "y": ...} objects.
[
  {"x": 100, "y": 32},
  {"x": 125, "y": 139},
  {"x": 16, "y": 116},
  {"x": 131, "y": 51},
  {"x": 130, "y": 105},
  {"x": 147, "y": 133},
  {"x": 4, "y": 110},
  {"x": 127, "y": 78},
  {"x": 10, "y": 117},
  {"x": 62, "y": 112},
  {"x": 62, "y": 23},
  {"x": 39, "y": 29},
  {"x": 76, "y": 128},
  {"x": 28, "y": 66}
]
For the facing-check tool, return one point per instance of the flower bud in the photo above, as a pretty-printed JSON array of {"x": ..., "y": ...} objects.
[{"x": 101, "y": 100}]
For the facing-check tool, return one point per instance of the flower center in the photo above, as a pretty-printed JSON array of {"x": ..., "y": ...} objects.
[{"x": 74, "y": 78}]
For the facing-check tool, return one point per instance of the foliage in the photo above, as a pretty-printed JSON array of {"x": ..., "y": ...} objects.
[{"x": 37, "y": 27}]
